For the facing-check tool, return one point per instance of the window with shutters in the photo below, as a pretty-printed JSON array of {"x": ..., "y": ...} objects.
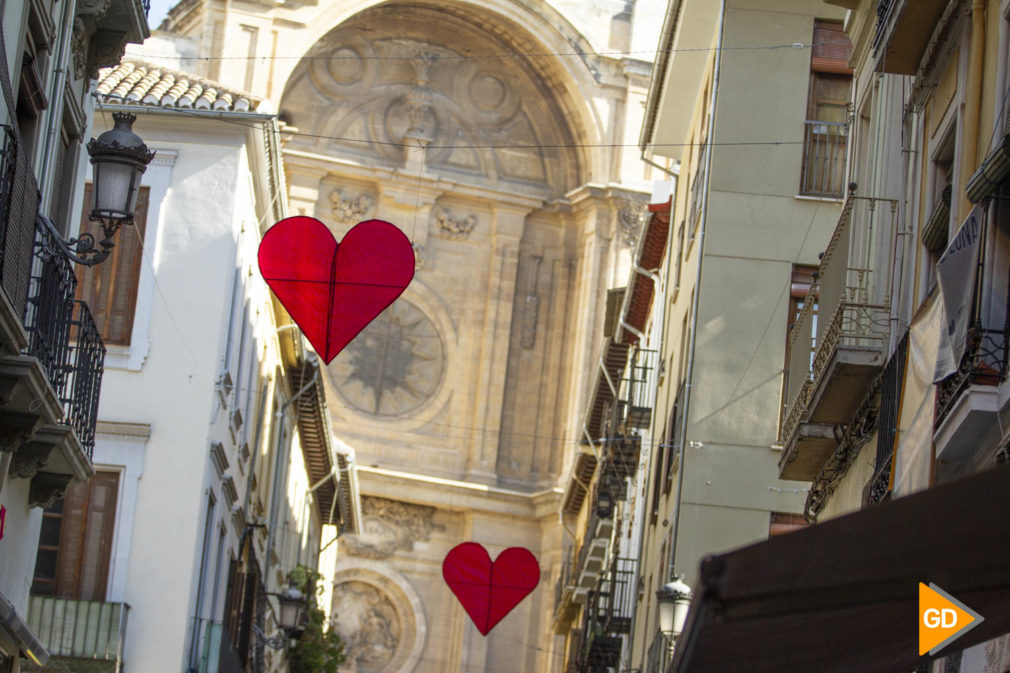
[
  {"x": 827, "y": 112},
  {"x": 110, "y": 288},
  {"x": 75, "y": 543}
]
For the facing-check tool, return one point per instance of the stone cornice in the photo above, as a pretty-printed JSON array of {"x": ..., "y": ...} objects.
[{"x": 451, "y": 494}]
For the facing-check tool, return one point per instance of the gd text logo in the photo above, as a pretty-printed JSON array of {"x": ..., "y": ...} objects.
[{"x": 942, "y": 619}]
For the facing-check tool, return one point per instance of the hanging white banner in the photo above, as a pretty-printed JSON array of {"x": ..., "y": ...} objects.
[{"x": 955, "y": 274}]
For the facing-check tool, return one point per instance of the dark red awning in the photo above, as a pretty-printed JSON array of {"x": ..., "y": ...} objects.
[{"x": 843, "y": 595}]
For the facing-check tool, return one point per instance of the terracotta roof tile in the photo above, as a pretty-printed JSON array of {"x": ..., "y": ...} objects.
[{"x": 146, "y": 84}]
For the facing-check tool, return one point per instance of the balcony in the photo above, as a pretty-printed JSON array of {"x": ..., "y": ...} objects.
[
  {"x": 51, "y": 355},
  {"x": 594, "y": 552},
  {"x": 612, "y": 605},
  {"x": 607, "y": 617},
  {"x": 634, "y": 407},
  {"x": 904, "y": 30},
  {"x": 86, "y": 635},
  {"x": 824, "y": 159},
  {"x": 837, "y": 345},
  {"x": 107, "y": 29},
  {"x": 967, "y": 401}
]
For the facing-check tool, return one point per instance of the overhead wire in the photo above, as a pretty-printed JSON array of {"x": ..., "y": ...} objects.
[{"x": 468, "y": 57}]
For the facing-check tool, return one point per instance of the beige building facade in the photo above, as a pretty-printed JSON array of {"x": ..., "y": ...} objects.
[
  {"x": 751, "y": 106},
  {"x": 501, "y": 138}
]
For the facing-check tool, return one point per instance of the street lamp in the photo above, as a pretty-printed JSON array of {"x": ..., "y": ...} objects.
[
  {"x": 290, "y": 619},
  {"x": 292, "y": 609},
  {"x": 674, "y": 600},
  {"x": 119, "y": 157}
]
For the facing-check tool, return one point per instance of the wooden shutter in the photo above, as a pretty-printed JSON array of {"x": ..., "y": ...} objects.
[
  {"x": 84, "y": 547},
  {"x": 96, "y": 543},
  {"x": 831, "y": 49},
  {"x": 110, "y": 289}
]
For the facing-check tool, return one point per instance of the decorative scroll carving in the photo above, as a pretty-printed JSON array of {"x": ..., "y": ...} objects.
[
  {"x": 351, "y": 209},
  {"x": 630, "y": 219},
  {"x": 453, "y": 227},
  {"x": 390, "y": 525}
]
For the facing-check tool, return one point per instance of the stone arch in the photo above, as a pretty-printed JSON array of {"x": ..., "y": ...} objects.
[{"x": 392, "y": 74}]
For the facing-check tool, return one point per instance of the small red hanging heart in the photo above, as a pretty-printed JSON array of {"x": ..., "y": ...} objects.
[
  {"x": 334, "y": 290},
  {"x": 488, "y": 591}
]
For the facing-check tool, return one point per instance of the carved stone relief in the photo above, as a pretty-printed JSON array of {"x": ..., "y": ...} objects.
[
  {"x": 394, "y": 365},
  {"x": 454, "y": 227},
  {"x": 371, "y": 622},
  {"x": 380, "y": 618},
  {"x": 388, "y": 526},
  {"x": 350, "y": 208},
  {"x": 387, "y": 93},
  {"x": 630, "y": 218}
]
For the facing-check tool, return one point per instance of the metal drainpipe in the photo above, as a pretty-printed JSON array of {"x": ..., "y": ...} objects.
[
  {"x": 275, "y": 495},
  {"x": 55, "y": 112},
  {"x": 695, "y": 300}
]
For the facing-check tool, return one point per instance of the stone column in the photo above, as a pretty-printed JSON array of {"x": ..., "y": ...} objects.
[
  {"x": 594, "y": 220},
  {"x": 493, "y": 349}
]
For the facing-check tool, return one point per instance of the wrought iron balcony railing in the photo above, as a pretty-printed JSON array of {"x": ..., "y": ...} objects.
[
  {"x": 84, "y": 377},
  {"x": 19, "y": 196},
  {"x": 39, "y": 284},
  {"x": 79, "y": 629},
  {"x": 853, "y": 301},
  {"x": 984, "y": 363},
  {"x": 884, "y": 8},
  {"x": 800, "y": 365},
  {"x": 824, "y": 159},
  {"x": 612, "y": 605},
  {"x": 637, "y": 390},
  {"x": 837, "y": 344},
  {"x": 64, "y": 338}
]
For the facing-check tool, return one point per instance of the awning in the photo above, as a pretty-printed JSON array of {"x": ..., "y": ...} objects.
[
  {"x": 842, "y": 595},
  {"x": 17, "y": 638}
]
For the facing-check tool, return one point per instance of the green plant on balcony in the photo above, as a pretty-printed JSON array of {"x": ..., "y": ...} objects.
[{"x": 320, "y": 648}]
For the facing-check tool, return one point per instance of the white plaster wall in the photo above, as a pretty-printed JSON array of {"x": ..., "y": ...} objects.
[
  {"x": 19, "y": 544},
  {"x": 191, "y": 251}
]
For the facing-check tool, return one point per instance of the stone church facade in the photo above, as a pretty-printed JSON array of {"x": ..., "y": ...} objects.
[{"x": 501, "y": 138}]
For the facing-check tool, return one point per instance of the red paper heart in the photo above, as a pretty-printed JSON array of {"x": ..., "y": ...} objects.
[
  {"x": 488, "y": 591},
  {"x": 333, "y": 291}
]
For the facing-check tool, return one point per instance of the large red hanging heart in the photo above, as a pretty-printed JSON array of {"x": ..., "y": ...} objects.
[
  {"x": 334, "y": 290},
  {"x": 488, "y": 591}
]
